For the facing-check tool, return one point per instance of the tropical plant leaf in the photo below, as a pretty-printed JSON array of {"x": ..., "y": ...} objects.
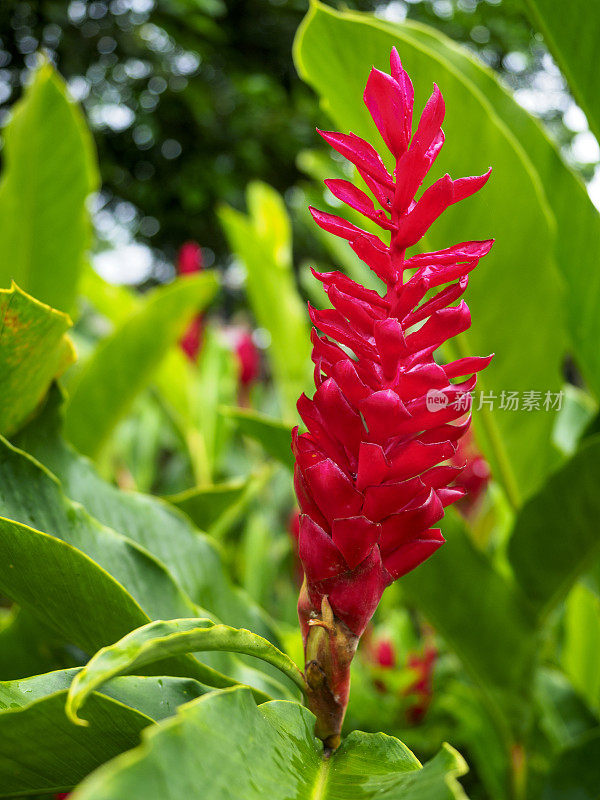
[
  {"x": 553, "y": 540},
  {"x": 209, "y": 741},
  {"x": 262, "y": 241},
  {"x": 41, "y": 750},
  {"x": 334, "y": 52},
  {"x": 217, "y": 508},
  {"x": 576, "y": 771},
  {"x": 192, "y": 394},
  {"x": 497, "y": 643},
  {"x": 124, "y": 363},
  {"x": 191, "y": 557},
  {"x": 156, "y": 697},
  {"x": 574, "y": 46},
  {"x": 33, "y": 351},
  {"x": 274, "y": 435},
  {"x": 50, "y": 169},
  {"x": 116, "y": 586},
  {"x": 162, "y": 639},
  {"x": 577, "y": 240},
  {"x": 580, "y": 654}
]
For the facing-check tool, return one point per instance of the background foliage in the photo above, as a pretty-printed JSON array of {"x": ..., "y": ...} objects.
[{"x": 146, "y": 505}]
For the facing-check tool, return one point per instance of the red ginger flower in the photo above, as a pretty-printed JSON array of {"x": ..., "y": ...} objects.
[
  {"x": 369, "y": 476},
  {"x": 248, "y": 358},
  {"x": 189, "y": 261}
]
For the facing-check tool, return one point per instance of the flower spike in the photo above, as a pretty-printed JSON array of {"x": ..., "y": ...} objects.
[{"x": 376, "y": 467}]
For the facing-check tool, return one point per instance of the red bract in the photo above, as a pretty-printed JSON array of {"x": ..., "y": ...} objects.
[
  {"x": 248, "y": 359},
  {"x": 189, "y": 261},
  {"x": 370, "y": 474},
  {"x": 422, "y": 688},
  {"x": 475, "y": 475}
]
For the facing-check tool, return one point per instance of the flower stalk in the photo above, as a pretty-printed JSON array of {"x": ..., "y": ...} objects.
[{"x": 373, "y": 472}]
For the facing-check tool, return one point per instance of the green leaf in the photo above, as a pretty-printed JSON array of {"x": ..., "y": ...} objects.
[
  {"x": 576, "y": 772},
  {"x": 216, "y": 509},
  {"x": 204, "y": 505},
  {"x": 192, "y": 394},
  {"x": 162, "y": 639},
  {"x": 124, "y": 363},
  {"x": 480, "y": 613},
  {"x": 50, "y": 169},
  {"x": 577, "y": 240},
  {"x": 191, "y": 557},
  {"x": 262, "y": 241},
  {"x": 580, "y": 654},
  {"x": 33, "y": 351},
  {"x": 574, "y": 46},
  {"x": 274, "y": 435},
  {"x": 116, "y": 303},
  {"x": 555, "y": 535},
  {"x": 32, "y": 496},
  {"x": 564, "y": 716},
  {"x": 334, "y": 52},
  {"x": 41, "y": 750},
  {"x": 97, "y": 585},
  {"x": 214, "y": 753},
  {"x": 157, "y": 698}
]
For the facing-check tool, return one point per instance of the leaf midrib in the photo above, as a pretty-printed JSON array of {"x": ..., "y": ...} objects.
[{"x": 321, "y": 780}]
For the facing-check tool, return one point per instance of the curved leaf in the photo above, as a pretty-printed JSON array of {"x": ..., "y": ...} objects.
[
  {"x": 157, "y": 698},
  {"x": 274, "y": 435},
  {"x": 209, "y": 742},
  {"x": 480, "y": 613},
  {"x": 124, "y": 363},
  {"x": 41, "y": 750},
  {"x": 577, "y": 240},
  {"x": 50, "y": 169},
  {"x": 33, "y": 351},
  {"x": 162, "y": 639},
  {"x": 262, "y": 241},
  {"x": 555, "y": 536},
  {"x": 191, "y": 557},
  {"x": 574, "y": 46}
]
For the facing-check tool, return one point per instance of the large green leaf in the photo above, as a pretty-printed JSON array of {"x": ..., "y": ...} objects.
[
  {"x": 161, "y": 639},
  {"x": 124, "y": 363},
  {"x": 92, "y": 599},
  {"x": 334, "y": 53},
  {"x": 556, "y": 535},
  {"x": 274, "y": 435},
  {"x": 577, "y": 240},
  {"x": 192, "y": 394},
  {"x": 157, "y": 698},
  {"x": 571, "y": 32},
  {"x": 209, "y": 742},
  {"x": 41, "y": 750},
  {"x": 32, "y": 496},
  {"x": 191, "y": 557},
  {"x": 480, "y": 613},
  {"x": 50, "y": 169},
  {"x": 576, "y": 773},
  {"x": 262, "y": 240},
  {"x": 580, "y": 654},
  {"x": 33, "y": 351}
]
